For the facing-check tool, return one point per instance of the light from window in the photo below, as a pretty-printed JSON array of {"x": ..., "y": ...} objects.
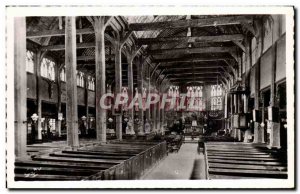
[
  {"x": 52, "y": 124},
  {"x": 63, "y": 75},
  {"x": 47, "y": 69},
  {"x": 196, "y": 92},
  {"x": 91, "y": 83},
  {"x": 216, "y": 97},
  {"x": 80, "y": 79},
  {"x": 29, "y": 61}
]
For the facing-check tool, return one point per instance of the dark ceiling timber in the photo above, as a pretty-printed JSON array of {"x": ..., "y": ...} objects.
[
  {"x": 57, "y": 32},
  {"x": 188, "y": 73},
  {"x": 191, "y": 23},
  {"x": 188, "y": 50},
  {"x": 220, "y": 38},
  {"x": 190, "y": 58}
]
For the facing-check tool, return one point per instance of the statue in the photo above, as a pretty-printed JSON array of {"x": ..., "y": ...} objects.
[
  {"x": 147, "y": 127},
  {"x": 129, "y": 128}
]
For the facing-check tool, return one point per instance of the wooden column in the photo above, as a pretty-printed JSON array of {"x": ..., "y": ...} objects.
[
  {"x": 118, "y": 84},
  {"x": 38, "y": 128},
  {"x": 225, "y": 105},
  {"x": 162, "y": 121},
  {"x": 100, "y": 85},
  {"x": 148, "y": 114},
  {"x": 274, "y": 124},
  {"x": 20, "y": 90},
  {"x": 154, "y": 113},
  {"x": 261, "y": 133},
  {"x": 58, "y": 68},
  {"x": 257, "y": 127},
  {"x": 71, "y": 86},
  {"x": 86, "y": 100},
  {"x": 226, "y": 109},
  {"x": 130, "y": 85},
  {"x": 140, "y": 74},
  {"x": 158, "y": 124}
]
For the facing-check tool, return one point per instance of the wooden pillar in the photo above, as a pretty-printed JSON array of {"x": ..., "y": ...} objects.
[
  {"x": 226, "y": 110},
  {"x": 100, "y": 85},
  {"x": 158, "y": 124},
  {"x": 58, "y": 68},
  {"x": 71, "y": 86},
  {"x": 86, "y": 101},
  {"x": 140, "y": 74},
  {"x": 257, "y": 127},
  {"x": 225, "y": 105},
  {"x": 274, "y": 124},
  {"x": 154, "y": 106},
  {"x": 38, "y": 128},
  {"x": 261, "y": 133},
  {"x": 130, "y": 86},
  {"x": 148, "y": 114},
  {"x": 118, "y": 84},
  {"x": 162, "y": 119},
  {"x": 20, "y": 90}
]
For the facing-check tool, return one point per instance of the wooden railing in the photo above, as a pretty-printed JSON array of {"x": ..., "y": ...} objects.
[{"x": 134, "y": 167}]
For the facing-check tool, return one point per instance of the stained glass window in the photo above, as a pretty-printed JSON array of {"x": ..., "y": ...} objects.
[
  {"x": 47, "y": 69},
  {"x": 216, "y": 97},
  {"x": 29, "y": 62}
]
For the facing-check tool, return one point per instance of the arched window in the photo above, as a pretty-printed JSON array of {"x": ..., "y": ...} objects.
[
  {"x": 48, "y": 69},
  {"x": 63, "y": 75},
  {"x": 29, "y": 62},
  {"x": 216, "y": 97},
  {"x": 91, "y": 85}
]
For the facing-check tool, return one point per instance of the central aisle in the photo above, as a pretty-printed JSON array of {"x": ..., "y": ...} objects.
[{"x": 179, "y": 165}]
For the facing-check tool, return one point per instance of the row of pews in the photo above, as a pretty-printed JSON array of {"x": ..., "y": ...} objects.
[
  {"x": 229, "y": 160},
  {"x": 116, "y": 160}
]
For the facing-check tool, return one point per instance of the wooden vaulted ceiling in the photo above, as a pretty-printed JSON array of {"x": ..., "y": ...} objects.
[{"x": 181, "y": 49}]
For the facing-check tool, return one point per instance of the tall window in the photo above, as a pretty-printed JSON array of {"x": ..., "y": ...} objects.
[
  {"x": 52, "y": 124},
  {"x": 196, "y": 92},
  {"x": 80, "y": 79},
  {"x": 91, "y": 83},
  {"x": 216, "y": 97},
  {"x": 63, "y": 75},
  {"x": 47, "y": 69},
  {"x": 29, "y": 62}
]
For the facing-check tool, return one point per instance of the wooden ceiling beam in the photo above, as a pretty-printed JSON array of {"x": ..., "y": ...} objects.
[
  {"x": 220, "y": 38},
  {"x": 78, "y": 46},
  {"x": 188, "y": 50},
  {"x": 216, "y": 21},
  {"x": 192, "y": 72},
  {"x": 189, "y": 59},
  {"x": 57, "y": 32},
  {"x": 191, "y": 78},
  {"x": 202, "y": 69},
  {"x": 91, "y": 58}
]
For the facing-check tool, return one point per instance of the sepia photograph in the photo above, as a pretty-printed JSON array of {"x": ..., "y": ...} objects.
[{"x": 150, "y": 97}]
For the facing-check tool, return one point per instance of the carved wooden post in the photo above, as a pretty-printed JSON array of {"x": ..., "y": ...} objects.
[
  {"x": 100, "y": 85},
  {"x": 140, "y": 73},
  {"x": 148, "y": 114},
  {"x": 38, "y": 60},
  {"x": 86, "y": 100},
  {"x": 130, "y": 85},
  {"x": 71, "y": 86},
  {"x": 20, "y": 80},
  {"x": 274, "y": 123},
  {"x": 118, "y": 84},
  {"x": 58, "y": 68}
]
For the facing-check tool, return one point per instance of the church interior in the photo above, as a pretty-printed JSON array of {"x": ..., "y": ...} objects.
[{"x": 226, "y": 74}]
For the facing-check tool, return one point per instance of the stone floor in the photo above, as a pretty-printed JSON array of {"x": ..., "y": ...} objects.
[{"x": 186, "y": 164}]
